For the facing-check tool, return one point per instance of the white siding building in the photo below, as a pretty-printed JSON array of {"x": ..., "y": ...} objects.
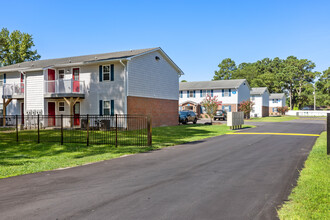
[
  {"x": 260, "y": 98},
  {"x": 276, "y": 100},
  {"x": 230, "y": 92},
  {"x": 126, "y": 82}
]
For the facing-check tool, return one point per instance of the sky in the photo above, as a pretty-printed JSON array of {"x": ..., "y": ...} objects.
[{"x": 197, "y": 35}]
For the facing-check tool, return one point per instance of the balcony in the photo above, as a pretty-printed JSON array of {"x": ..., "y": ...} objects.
[
  {"x": 64, "y": 88},
  {"x": 13, "y": 91}
]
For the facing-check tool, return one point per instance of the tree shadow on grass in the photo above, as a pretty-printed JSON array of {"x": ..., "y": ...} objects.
[{"x": 18, "y": 154}]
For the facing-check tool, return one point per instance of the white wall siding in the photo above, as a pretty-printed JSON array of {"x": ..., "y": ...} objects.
[
  {"x": 150, "y": 78},
  {"x": 232, "y": 99},
  {"x": 280, "y": 103},
  {"x": 265, "y": 99},
  {"x": 243, "y": 92},
  {"x": 34, "y": 91},
  {"x": 257, "y": 107}
]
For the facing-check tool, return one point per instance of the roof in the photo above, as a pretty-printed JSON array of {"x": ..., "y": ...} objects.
[
  {"x": 258, "y": 90},
  {"x": 276, "y": 95},
  {"x": 81, "y": 60},
  {"x": 217, "y": 84}
]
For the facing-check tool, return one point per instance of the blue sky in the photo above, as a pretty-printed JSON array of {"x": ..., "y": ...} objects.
[{"x": 197, "y": 35}]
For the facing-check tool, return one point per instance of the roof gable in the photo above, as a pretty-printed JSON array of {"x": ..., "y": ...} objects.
[
  {"x": 217, "y": 84},
  {"x": 85, "y": 59}
]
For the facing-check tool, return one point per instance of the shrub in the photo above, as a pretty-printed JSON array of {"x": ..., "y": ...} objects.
[
  {"x": 246, "y": 107},
  {"x": 211, "y": 105},
  {"x": 282, "y": 110}
]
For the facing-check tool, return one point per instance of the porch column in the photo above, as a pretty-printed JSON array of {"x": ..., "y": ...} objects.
[
  {"x": 71, "y": 102},
  {"x": 5, "y": 104}
]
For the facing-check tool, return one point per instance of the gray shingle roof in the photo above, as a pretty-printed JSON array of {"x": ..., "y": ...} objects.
[
  {"x": 276, "y": 95},
  {"x": 258, "y": 90},
  {"x": 77, "y": 59},
  {"x": 217, "y": 84}
]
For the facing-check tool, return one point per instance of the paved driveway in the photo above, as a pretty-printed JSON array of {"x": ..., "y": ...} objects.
[{"x": 225, "y": 177}]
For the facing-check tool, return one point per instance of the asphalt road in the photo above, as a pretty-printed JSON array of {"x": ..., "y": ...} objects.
[{"x": 225, "y": 177}]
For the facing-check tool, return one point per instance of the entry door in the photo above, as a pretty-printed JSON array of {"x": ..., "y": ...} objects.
[
  {"x": 22, "y": 113},
  {"x": 75, "y": 78},
  {"x": 76, "y": 115},
  {"x": 51, "y": 113},
  {"x": 51, "y": 81}
]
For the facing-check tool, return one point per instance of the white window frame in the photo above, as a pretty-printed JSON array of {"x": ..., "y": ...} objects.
[
  {"x": 59, "y": 107},
  {"x": 191, "y": 93},
  {"x": 104, "y": 107},
  {"x": 59, "y": 74},
  {"x": 109, "y": 72},
  {"x": 208, "y": 92},
  {"x": 226, "y": 93}
]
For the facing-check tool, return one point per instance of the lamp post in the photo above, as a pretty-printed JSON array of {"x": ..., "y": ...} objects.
[{"x": 314, "y": 97}]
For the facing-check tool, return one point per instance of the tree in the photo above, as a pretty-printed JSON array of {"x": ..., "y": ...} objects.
[
  {"x": 282, "y": 110},
  {"x": 323, "y": 89},
  {"x": 16, "y": 47},
  {"x": 211, "y": 105},
  {"x": 184, "y": 80},
  {"x": 226, "y": 68},
  {"x": 246, "y": 107},
  {"x": 292, "y": 76}
]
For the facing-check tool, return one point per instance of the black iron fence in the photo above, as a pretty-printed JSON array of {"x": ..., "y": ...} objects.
[{"x": 117, "y": 130}]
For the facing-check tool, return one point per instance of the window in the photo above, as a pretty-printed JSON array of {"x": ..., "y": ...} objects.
[
  {"x": 274, "y": 109},
  {"x": 61, "y": 106},
  {"x": 181, "y": 94},
  {"x": 253, "y": 98},
  {"x": 275, "y": 100},
  {"x": 1, "y": 82},
  {"x": 106, "y": 72},
  {"x": 226, "y": 93},
  {"x": 1, "y": 109},
  {"x": 61, "y": 74},
  {"x": 106, "y": 108},
  {"x": 191, "y": 93}
]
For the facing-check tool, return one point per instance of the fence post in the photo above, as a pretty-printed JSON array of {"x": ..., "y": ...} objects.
[
  {"x": 61, "y": 129},
  {"x": 328, "y": 134},
  {"x": 116, "y": 130},
  {"x": 38, "y": 129},
  {"x": 16, "y": 119},
  {"x": 149, "y": 127},
  {"x": 87, "y": 126}
]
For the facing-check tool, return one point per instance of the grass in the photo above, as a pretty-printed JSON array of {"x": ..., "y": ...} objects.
[
  {"x": 311, "y": 198},
  {"x": 274, "y": 119},
  {"x": 29, "y": 157}
]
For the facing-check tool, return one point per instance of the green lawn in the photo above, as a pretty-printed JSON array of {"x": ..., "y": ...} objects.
[
  {"x": 311, "y": 198},
  {"x": 273, "y": 119},
  {"x": 29, "y": 157}
]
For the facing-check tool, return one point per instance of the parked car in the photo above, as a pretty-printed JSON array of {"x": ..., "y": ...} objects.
[
  {"x": 220, "y": 114},
  {"x": 187, "y": 116}
]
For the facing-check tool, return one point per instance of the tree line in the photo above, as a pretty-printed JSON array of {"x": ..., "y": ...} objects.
[{"x": 293, "y": 76}]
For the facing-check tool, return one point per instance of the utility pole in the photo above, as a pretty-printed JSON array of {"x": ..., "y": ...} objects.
[{"x": 314, "y": 98}]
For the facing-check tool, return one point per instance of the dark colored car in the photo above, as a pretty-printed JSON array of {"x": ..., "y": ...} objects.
[
  {"x": 220, "y": 114},
  {"x": 187, "y": 116}
]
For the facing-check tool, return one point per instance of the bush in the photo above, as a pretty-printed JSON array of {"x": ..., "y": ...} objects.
[
  {"x": 246, "y": 107},
  {"x": 282, "y": 110}
]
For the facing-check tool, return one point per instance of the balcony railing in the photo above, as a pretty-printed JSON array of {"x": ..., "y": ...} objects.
[
  {"x": 15, "y": 90},
  {"x": 64, "y": 86}
]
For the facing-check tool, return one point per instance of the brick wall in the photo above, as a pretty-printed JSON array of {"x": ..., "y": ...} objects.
[
  {"x": 265, "y": 111},
  {"x": 164, "y": 112}
]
